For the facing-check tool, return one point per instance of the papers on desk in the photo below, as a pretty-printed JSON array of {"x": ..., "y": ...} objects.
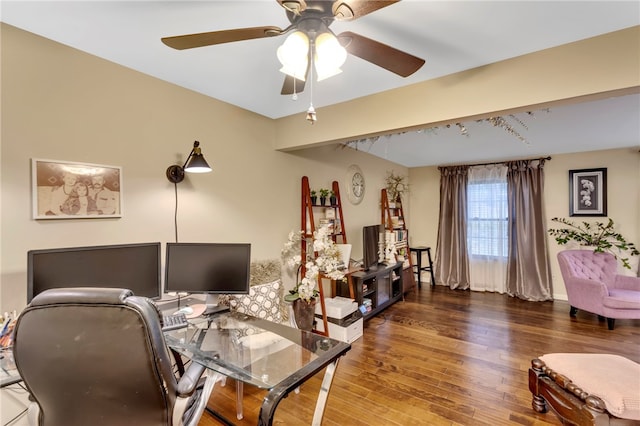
[
  {"x": 211, "y": 342},
  {"x": 240, "y": 333},
  {"x": 258, "y": 341},
  {"x": 231, "y": 324}
]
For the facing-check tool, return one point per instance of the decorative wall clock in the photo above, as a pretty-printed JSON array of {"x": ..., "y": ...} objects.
[{"x": 355, "y": 184}]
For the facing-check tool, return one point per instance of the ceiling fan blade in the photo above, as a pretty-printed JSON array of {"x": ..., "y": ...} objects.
[
  {"x": 354, "y": 9},
  {"x": 190, "y": 41},
  {"x": 384, "y": 56},
  {"x": 288, "y": 86}
]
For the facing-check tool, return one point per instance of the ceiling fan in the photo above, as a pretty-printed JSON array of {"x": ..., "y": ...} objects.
[{"x": 313, "y": 17}]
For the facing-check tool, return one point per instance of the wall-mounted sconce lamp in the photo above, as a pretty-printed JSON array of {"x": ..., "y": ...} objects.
[{"x": 195, "y": 164}]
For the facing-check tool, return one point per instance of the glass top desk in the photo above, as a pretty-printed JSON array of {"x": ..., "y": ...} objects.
[
  {"x": 262, "y": 353},
  {"x": 8, "y": 371}
]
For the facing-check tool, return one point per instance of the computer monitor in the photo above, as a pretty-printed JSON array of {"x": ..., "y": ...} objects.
[
  {"x": 132, "y": 266},
  {"x": 209, "y": 268}
]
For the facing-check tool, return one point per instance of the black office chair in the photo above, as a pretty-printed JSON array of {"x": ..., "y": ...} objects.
[{"x": 97, "y": 356}]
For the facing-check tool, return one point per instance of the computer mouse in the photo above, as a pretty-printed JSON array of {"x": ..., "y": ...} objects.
[{"x": 187, "y": 310}]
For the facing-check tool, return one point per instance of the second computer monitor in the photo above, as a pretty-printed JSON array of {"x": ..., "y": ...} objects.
[
  {"x": 209, "y": 268},
  {"x": 132, "y": 266}
]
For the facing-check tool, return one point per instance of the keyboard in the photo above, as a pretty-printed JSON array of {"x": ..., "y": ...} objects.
[{"x": 174, "y": 322}]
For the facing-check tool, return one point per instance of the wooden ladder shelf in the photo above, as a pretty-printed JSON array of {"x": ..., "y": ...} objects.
[{"x": 308, "y": 226}]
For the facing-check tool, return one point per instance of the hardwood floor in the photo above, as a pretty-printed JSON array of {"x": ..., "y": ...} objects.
[{"x": 443, "y": 357}]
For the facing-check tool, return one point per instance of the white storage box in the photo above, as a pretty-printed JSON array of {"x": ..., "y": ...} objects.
[
  {"x": 337, "y": 307},
  {"x": 347, "y": 331}
]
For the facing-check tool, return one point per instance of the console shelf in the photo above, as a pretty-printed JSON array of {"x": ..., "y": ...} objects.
[{"x": 382, "y": 285}]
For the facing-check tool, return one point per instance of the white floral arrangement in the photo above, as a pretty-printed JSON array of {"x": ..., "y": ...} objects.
[
  {"x": 390, "y": 251},
  {"x": 588, "y": 188},
  {"x": 325, "y": 260}
]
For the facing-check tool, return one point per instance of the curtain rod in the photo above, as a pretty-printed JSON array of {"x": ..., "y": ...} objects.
[{"x": 499, "y": 162}]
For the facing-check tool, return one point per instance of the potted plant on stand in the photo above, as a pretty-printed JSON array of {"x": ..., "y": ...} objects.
[
  {"x": 324, "y": 193},
  {"x": 332, "y": 198},
  {"x": 314, "y": 197},
  {"x": 325, "y": 259},
  {"x": 395, "y": 186},
  {"x": 603, "y": 238}
]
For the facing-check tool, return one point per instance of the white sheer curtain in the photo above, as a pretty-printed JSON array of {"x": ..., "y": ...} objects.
[{"x": 487, "y": 227}]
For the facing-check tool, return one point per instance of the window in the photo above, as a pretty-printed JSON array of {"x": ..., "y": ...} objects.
[{"x": 487, "y": 232}]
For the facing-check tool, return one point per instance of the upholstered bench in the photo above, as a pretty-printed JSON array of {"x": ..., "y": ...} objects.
[{"x": 587, "y": 389}]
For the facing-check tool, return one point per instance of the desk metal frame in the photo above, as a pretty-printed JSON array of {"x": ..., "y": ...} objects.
[{"x": 327, "y": 356}]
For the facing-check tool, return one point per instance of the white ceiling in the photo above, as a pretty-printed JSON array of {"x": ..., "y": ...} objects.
[{"x": 450, "y": 35}]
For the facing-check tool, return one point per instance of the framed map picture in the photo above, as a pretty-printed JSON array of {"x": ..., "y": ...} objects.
[{"x": 69, "y": 190}]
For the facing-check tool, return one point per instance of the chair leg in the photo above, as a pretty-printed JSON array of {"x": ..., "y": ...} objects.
[
  {"x": 433, "y": 277},
  {"x": 610, "y": 323},
  {"x": 573, "y": 311},
  {"x": 539, "y": 404}
]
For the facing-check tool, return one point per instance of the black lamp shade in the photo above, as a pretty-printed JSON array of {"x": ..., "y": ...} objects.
[{"x": 197, "y": 164}]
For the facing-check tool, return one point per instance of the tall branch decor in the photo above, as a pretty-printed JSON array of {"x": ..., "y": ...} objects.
[
  {"x": 598, "y": 235},
  {"x": 396, "y": 186}
]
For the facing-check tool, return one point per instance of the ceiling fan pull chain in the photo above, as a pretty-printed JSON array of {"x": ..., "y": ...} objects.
[
  {"x": 311, "y": 112},
  {"x": 295, "y": 91}
]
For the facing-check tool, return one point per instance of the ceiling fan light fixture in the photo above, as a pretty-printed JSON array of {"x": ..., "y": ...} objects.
[
  {"x": 296, "y": 72},
  {"x": 329, "y": 56},
  {"x": 324, "y": 73},
  {"x": 294, "y": 55}
]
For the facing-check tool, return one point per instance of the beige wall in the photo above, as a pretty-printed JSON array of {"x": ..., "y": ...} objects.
[
  {"x": 59, "y": 103},
  {"x": 62, "y": 104},
  {"x": 623, "y": 195}
]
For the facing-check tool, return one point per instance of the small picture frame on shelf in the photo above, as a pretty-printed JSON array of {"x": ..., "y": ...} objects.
[{"x": 588, "y": 192}]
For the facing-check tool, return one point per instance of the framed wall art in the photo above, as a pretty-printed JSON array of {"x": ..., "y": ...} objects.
[
  {"x": 588, "y": 192},
  {"x": 70, "y": 190}
]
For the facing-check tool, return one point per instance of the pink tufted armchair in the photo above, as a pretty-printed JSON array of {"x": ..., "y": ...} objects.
[{"x": 594, "y": 286}]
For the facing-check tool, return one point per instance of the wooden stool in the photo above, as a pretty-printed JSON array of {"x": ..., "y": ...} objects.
[{"x": 418, "y": 268}]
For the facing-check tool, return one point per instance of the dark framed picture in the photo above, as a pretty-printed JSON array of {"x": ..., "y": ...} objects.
[
  {"x": 69, "y": 190},
  {"x": 588, "y": 192}
]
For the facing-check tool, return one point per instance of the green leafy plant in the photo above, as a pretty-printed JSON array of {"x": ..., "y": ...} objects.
[
  {"x": 313, "y": 193},
  {"x": 602, "y": 237},
  {"x": 324, "y": 193}
]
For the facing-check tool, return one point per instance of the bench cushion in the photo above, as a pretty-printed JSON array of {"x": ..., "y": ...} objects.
[{"x": 612, "y": 378}]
